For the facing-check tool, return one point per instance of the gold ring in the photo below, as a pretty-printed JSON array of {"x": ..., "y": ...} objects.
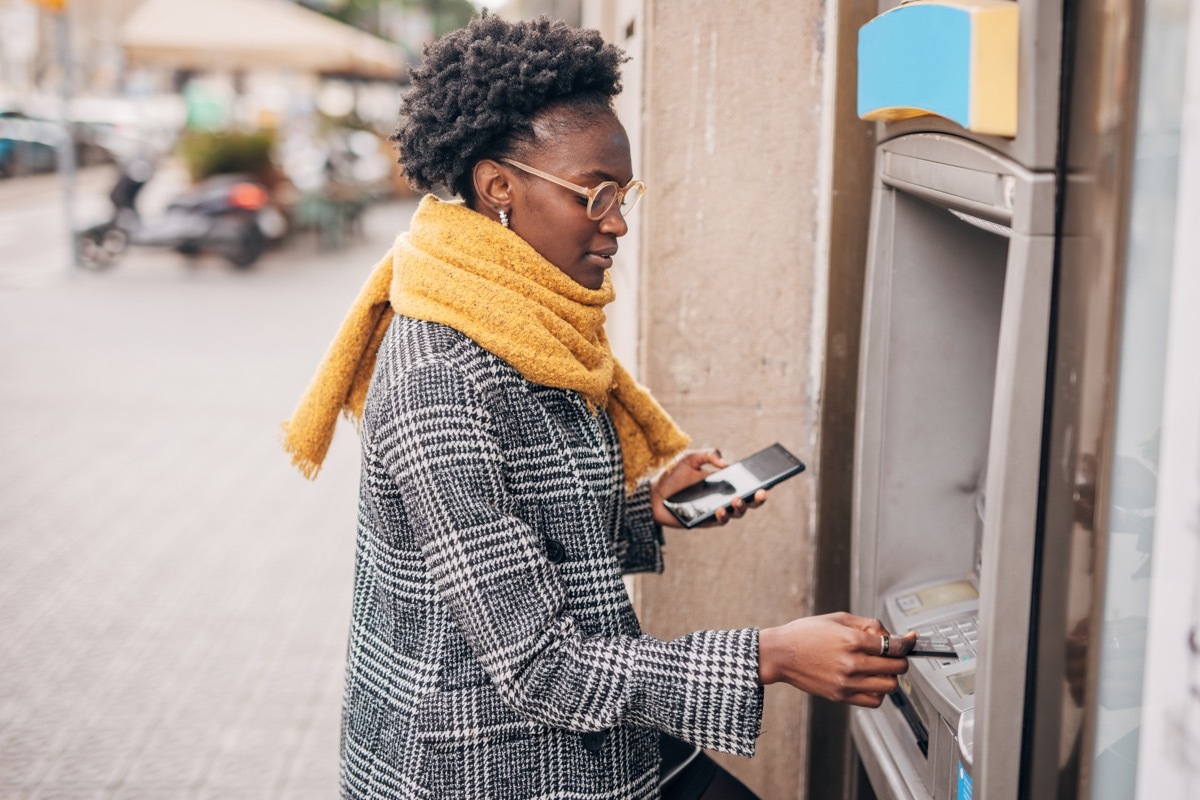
[{"x": 885, "y": 644}]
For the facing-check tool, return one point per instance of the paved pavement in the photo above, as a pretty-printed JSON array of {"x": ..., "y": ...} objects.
[{"x": 174, "y": 599}]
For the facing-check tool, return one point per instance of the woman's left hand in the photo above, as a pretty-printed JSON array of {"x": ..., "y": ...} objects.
[{"x": 692, "y": 467}]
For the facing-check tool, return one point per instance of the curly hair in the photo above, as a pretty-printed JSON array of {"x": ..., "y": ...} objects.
[{"x": 479, "y": 90}]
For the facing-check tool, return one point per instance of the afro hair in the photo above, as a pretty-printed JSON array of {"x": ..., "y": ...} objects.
[{"x": 478, "y": 90}]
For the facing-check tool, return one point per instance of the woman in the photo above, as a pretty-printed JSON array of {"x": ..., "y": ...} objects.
[{"x": 508, "y": 461}]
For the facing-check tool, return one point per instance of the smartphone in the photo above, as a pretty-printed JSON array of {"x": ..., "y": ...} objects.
[
  {"x": 933, "y": 647},
  {"x": 700, "y": 502}
]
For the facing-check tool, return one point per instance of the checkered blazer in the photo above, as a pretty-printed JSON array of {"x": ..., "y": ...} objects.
[{"x": 493, "y": 651}]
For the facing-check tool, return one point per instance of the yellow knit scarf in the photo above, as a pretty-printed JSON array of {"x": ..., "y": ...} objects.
[{"x": 458, "y": 268}]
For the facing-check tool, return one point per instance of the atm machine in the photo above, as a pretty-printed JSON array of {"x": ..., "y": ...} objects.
[{"x": 956, "y": 331}]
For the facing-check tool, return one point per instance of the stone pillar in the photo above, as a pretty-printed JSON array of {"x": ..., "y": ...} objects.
[{"x": 732, "y": 311}]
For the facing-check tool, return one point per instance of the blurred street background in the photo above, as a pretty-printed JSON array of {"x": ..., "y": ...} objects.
[{"x": 174, "y": 597}]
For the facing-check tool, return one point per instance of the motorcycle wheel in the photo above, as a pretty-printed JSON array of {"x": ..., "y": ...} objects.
[
  {"x": 248, "y": 248},
  {"x": 99, "y": 248}
]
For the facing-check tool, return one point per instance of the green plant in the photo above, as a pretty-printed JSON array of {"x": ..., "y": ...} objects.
[{"x": 207, "y": 153}]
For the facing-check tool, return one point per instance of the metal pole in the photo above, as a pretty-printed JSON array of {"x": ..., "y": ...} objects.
[{"x": 66, "y": 149}]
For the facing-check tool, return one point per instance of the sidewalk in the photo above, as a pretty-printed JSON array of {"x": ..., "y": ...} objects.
[{"x": 174, "y": 598}]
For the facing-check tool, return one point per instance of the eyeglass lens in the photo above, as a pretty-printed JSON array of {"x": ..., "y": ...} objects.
[
  {"x": 631, "y": 198},
  {"x": 606, "y": 195},
  {"x": 602, "y": 200}
]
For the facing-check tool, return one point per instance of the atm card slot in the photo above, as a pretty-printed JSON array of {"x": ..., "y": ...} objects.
[{"x": 914, "y": 721}]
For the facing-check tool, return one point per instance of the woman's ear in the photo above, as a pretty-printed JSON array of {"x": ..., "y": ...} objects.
[{"x": 493, "y": 189}]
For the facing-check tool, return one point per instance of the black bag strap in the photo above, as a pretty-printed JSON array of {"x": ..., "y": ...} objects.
[{"x": 689, "y": 774}]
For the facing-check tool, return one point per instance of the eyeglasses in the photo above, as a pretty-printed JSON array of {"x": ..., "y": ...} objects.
[{"x": 600, "y": 198}]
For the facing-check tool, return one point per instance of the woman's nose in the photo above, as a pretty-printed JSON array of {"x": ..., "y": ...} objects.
[{"x": 613, "y": 223}]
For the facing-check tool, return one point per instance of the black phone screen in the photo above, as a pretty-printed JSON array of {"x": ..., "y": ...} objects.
[{"x": 700, "y": 501}]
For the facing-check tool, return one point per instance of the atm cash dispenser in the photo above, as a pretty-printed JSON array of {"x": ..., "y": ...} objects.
[{"x": 951, "y": 384}]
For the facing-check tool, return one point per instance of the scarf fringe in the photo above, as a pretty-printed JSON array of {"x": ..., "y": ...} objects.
[{"x": 304, "y": 464}]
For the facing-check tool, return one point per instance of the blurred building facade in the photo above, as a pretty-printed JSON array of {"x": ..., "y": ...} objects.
[
  {"x": 570, "y": 11},
  {"x": 96, "y": 41},
  {"x": 137, "y": 98},
  {"x": 29, "y": 51},
  {"x": 102, "y": 66}
]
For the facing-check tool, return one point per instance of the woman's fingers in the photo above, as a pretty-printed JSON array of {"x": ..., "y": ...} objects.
[
  {"x": 738, "y": 507},
  {"x": 694, "y": 466},
  {"x": 723, "y": 515},
  {"x": 701, "y": 462},
  {"x": 866, "y": 686},
  {"x": 876, "y": 684},
  {"x": 881, "y": 643},
  {"x": 872, "y": 643},
  {"x": 866, "y": 624},
  {"x": 699, "y": 459},
  {"x": 884, "y": 665},
  {"x": 900, "y": 645},
  {"x": 876, "y": 677},
  {"x": 865, "y": 700},
  {"x": 736, "y": 510}
]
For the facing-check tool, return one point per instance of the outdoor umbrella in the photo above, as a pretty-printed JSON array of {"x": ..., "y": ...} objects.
[{"x": 254, "y": 34}]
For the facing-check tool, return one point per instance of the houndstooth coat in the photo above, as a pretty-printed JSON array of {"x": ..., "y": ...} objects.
[{"x": 494, "y": 652}]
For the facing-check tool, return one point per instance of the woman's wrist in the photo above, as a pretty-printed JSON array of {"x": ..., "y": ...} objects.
[
  {"x": 658, "y": 511},
  {"x": 768, "y": 671}
]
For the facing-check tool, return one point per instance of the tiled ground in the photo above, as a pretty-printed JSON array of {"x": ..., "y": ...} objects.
[{"x": 173, "y": 597}]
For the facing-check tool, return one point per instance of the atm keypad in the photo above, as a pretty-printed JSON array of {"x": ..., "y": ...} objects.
[{"x": 963, "y": 634}]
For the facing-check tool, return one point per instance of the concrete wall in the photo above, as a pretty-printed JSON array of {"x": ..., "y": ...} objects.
[
  {"x": 622, "y": 22},
  {"x": 732, "y": 311}
]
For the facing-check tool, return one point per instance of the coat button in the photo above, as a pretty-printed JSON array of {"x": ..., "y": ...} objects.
[
  {"x": 594, "y": 740},
  {"x": 555, "y": 551}
]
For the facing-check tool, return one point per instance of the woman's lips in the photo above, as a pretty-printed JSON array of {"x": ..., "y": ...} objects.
[
  {"x": 601, "y": 258},
  {"x": 598, "y": 260}
]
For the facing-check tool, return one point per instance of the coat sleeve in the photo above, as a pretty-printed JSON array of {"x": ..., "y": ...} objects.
[
  {"x": 509, "y": 602},
  {"x": 639, "y": 546}
]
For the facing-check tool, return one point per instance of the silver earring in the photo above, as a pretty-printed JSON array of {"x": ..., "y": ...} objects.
[{"x": 503, "y": 217}]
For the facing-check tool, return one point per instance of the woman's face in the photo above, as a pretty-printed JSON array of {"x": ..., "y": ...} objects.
[{"x": 553, "y": 219}]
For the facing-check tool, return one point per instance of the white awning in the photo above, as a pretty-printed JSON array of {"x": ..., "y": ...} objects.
[{"x": 206, "y": 35}]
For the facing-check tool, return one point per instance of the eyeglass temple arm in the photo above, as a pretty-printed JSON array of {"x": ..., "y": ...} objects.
[{"x": 552, "y": 178}]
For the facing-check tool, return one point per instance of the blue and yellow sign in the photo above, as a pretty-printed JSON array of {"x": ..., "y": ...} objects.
[{"x": 953, "y": 58}]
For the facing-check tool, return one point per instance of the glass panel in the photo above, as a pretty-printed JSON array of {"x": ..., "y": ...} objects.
[{"x": 1134, "y": 481}]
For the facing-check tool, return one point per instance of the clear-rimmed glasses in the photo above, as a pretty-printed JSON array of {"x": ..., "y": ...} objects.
[{"x": 600, "y": 198}]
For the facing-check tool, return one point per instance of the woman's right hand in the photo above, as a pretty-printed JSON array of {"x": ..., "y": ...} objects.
[{"x": 835, "y": 656}]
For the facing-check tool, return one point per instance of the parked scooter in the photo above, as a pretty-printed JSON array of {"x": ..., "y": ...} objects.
[{"x": 225, "y": 214}]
